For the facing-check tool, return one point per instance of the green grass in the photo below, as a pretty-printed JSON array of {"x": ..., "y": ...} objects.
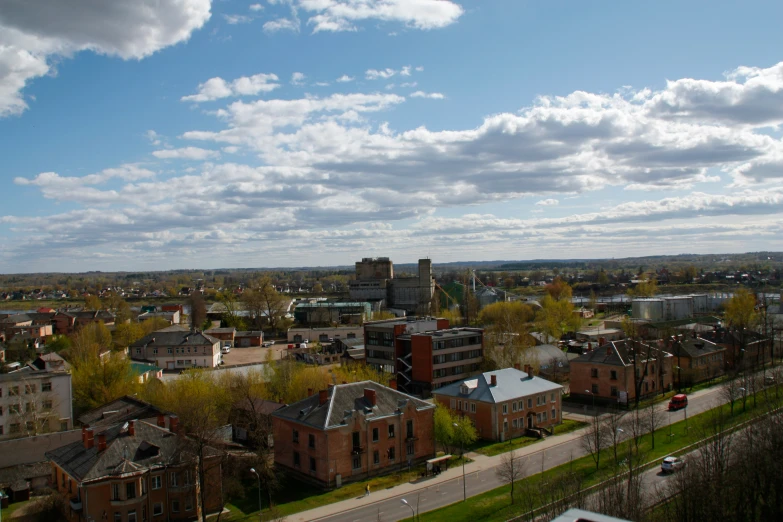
[
  {"x": 494, "y": 505},
  {"x": 13, "y": 508},
  {"x": 497, "y": 448}
]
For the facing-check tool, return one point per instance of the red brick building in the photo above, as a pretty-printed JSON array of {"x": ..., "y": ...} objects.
[
  {"x": 613, "y": 372},
  {"x": 744, "y": 349},
  {"x": 133, "y": 472},
  {"x": 503, "y": 404},
  {"x": 353, "y": 432},
  {"x": 695, "y": 359}
]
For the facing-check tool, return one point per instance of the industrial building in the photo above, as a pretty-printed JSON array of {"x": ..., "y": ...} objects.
[
  {"x": 375, "y": 282},
  {"x": 672, "y": 308}
]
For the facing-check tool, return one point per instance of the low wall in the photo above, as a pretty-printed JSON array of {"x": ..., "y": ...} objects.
[{"x": 31, "y": 449}]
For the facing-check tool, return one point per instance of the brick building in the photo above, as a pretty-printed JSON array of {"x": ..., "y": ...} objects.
[
  {"x": 744, "y": 349},
  {"x": 695, "y": 359},
  {"x": 133, "y": 472},
  {"x": 612, "y": 372},
  {"x": 352, "y": 432},
  {"x": 177, "y": 348},
  {"x": 503, "y": 404}
]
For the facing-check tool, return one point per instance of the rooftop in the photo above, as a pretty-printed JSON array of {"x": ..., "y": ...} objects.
[
  {"x": 121, "y": 410},
  {"x": 511, "y": 384},
  {"x": 178, "y": 336}
]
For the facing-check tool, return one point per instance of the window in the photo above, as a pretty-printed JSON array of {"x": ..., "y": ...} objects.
[
  {"x": 132, "y": 516},
  {"x": 391, "y": 454},
  {"x": 168, "y": 350},
  {"x": 530, "y": 402},
  {"x": 130, "y": 490},
  {"x": 175, "y": 506},
  {"x": 29, "y": 388},
  {"x": 409, "y": 429},
  {"x": 514, "y": 406},
  {"x": 115, "y": 491},
  {"x": 505, "y": 424},
  {"x": 311, "y": 440},
  {"x": 46, "y": 386},
  {"x": 117, "y": 516},
  {"x": 1, "y": 429},
  {"x": 552, "y": 397},
  {"x": 521, "y": 405},
  {"x": 13, "y": 408},
  {"x": 296, "y": 436},
  {"x": 188, "y": 503},
  {"x": 391, "y": 431},
  {"x": 505, "y": 409},
  {"x": 472, "y": 407},
  {"x": 594, "y": 373},
  {"x": 13, "y": 390},
  {"x": 376, "y": 457},
  {"x": 173, "y": 479},
  {"x": 613, "y": 391},
  {"x": 155, "y": 351},
  {"x": 595, "y": 389},
  {"x": 312, "y": 464},
  {"x": 357, "y": 462},
  {"x": 157, "y": 509},
  {"x": 375, "y": 434},
  {"x": 47, "y": 404},
  {"x": 14, "y": 428},
  {"x": 554, "y": 414},
  {"x": 156, "y": 482},
  {"x": 514, "y": 423},
  {"x": 356, "y": 439},
  {"x": 453, "y": 404},
  {"x": 351, "y": 335},
  {"x": 187, "y": 477},
  {"x": 613, "y": 375},
  {"x": 138, "y": 351},
  {"x": 297, "y": 462}
]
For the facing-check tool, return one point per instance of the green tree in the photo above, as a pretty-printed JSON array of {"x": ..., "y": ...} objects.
[
  {"x": 556, "y": 318},
  {"x": 98, "y": 380},
  {"x": 453, "y": 431},
  {"x": 92, "y": 302},
  {"x": 644, "y": 289}
]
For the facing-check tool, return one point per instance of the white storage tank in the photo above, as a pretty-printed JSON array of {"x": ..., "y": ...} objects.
[
  {"x": 699, "y": 303},
  {"x": 650, "y": 309},
  {"x": 677, "y": 308}
]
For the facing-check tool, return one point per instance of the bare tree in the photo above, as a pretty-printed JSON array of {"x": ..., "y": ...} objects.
[
  {"x": 614, "y": 423},
  {"x": 635, "y": 424},
  {"x": 653, "y": 420},
  {"x": 510, "y": 470},
  {"x": 594, "y": 439},
  {"x": 730, "y": 392}
]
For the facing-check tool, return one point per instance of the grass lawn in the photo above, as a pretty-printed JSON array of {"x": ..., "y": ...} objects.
[
  {"x": 13, "y": 508},
  {"x": 495, "y": 506},
  {"x": 497, "y": 448}
]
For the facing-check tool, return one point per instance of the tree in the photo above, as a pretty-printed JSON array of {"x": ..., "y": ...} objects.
[
  {"x": 730, "y": 392},
  {"x": 89, "y": 341},
  {"x": 453, "y": 431},
  {"x": 594, "y": 439},
  {"x": 556, "y": 318},
  {"x": 92, "y": 302},
  {"x": 510, "y": 470},
  {"x": 97, "y": 380},
  {"x": 653, "y": 420},
  {"x": 267, "y": 302},
  {"x": 644, "y": 289},
  {"x": 119, "y": 307},
  {"x": 741, "y": 316},
  {"x": 443, "y": 427},
  {"x": 506, "y": 332},
  {"x": 559, "y": 290}
]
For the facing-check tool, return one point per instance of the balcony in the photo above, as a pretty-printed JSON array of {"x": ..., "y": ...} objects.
[
  {"x": 76, "y": 504},
  {"x": 357, "y": 450}
]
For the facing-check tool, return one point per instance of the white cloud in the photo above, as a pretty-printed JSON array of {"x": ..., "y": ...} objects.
[
  {"x": 431, "y": 95},
  {"x": 298, "y": 78},
  {"x": 186, "y": 153},
  {"x": 281, "y": 24},
  {"x": 216, "y": 88},
  {"x": 321, "y": 84},
  {"x": 154, "y": 137},
  {"x": 230, "y": 149},
  {"x": 234, "y": 19},
  {"x": 345, "y": 78},
  {"x": 374, "y": 74},
  {"x": 409, "y": 84},
  {"x": 419, "y": 68},
  {"x": 547, "y": 202},
  {"x": 33, "y": 33},
  {"x": 405, "y": 71},
  {"x": 256, "y": 7},
  {"x": 343, "y": 15}
]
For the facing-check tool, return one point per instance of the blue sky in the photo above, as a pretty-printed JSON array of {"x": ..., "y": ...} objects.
[{"x": 190, "y": 133}]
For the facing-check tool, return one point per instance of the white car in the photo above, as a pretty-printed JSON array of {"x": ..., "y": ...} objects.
[
  {"x": 267, "y": 344},
  {"x": 225, "y": 349},
  {"x": 672, "y": 464}
]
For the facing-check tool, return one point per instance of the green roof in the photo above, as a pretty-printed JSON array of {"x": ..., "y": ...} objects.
[
  {"x": 704, "y": 319},
  {"x": 141, "y": 368}
]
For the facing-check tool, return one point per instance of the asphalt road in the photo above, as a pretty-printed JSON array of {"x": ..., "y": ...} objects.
[{"x": 445, "y": 493}]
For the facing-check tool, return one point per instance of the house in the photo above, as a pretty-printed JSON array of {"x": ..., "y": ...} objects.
[
  {"x": 66, "y": 322},
  {"x": 614, "y": 371},
  {"x": 143, "y": 372},
  {"x": 172, "y": 317},
  {"x": 550, "y": 361},
  {"x": 20, "y": 480},
  {"x": 177, "y": 348},
  {"x": 744, "y": 349},
  {"x": 352, "y": 432},
  {"x": 134, "y": 471},
  {"x": 35, "y": 399},
  {"x": 329, "y": 312},
  {"x": 323, "y": 335},
  {"x": 124, "y": 409},
  {"x": 695, "y": 359},
  {"x": 504, "y": 404},
  {"x": 251, "y": 416},
  {"x": 224, "y": 334},
  {"x": 248, "y": 338}
]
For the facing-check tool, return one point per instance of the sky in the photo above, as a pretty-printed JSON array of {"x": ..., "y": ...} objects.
[{"x": 165, "y": 134}]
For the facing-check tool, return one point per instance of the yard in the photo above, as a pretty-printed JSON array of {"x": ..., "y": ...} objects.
[{"x": 495, "y": 448}]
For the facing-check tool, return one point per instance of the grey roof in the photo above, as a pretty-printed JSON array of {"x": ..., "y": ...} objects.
[
  {"x": 543, "y": 338},
  {"x": 176, "y": 337},
  {"x": 345, "y": 399},
  {"x": 355, "y": 353},
  {"x": 545, "y": 353},
  {"x": 353, "y": 343},
  {"x": 221, "y": 330},
  {"x": 511, "y": 384},
  {"x": 120, "y": 410},
  {"x": 18, "y": 318},
  {"x": 249, "y": 333},
  {"x": 23, "y": 473},
  {"x": 694, "y": 348},
  {"x": 614, "y": 353},
  {"x": 150, "y": 446}
]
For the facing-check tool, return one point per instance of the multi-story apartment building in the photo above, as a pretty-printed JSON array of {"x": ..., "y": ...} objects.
[
  {"x": 177, "y": 347},
  {"x": 375, "y": 282},
  {"x": 615, "y": 371},
  {"x": 36, "y": 399},
  {"x": 503, "y": 404},
  {"x": 134, "y": 471},
  {"x": 424, "y": 353},
  {"x": 351, "y": 432}
]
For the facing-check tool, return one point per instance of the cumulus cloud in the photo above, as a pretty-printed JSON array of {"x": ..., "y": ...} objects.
[
  {"x": 431, "y": 95},
  {"x": 186, "y": 153},
  {"x": 345, "y": 78},
  {"x": 547, "y": 202},
  {"x": 32, "y": 34},
  {"x": 343, "y": 15},
  {"x": 256, "y": 7},
  {"x": 374, "y": 74},
  {"x": 298, "y": 78},
  {"x": 216, "y": 88}
]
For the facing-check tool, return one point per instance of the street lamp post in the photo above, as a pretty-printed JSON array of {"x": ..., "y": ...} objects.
[
  {"x": 254, "y": 472},
  {"x": 685, "y": 412},
  {"x": 593, "y": 396},
  {"x": 407, "y": 504},
  {"x": 743, "y": 399},
  {"x": 462, "y": 456}
]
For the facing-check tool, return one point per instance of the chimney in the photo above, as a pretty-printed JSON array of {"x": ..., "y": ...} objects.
[
  {"x": 132, "y": 428},
  {"x": 101, "y": 442},
  {"x": 84, "y": 434},
  {"x": 393, "y": 384},
  {"x": 173, "y": 423},
  {"x": 601, "y": 340},
  {"x": 516, "y": 366},
  {"x": 323, "y": 396},
  {"x": 609, "y": 350},
  {"x": 161, "y": 420},
  {"x": 493, "y": 380},
  {"x": 529, "y": 370},
  {"x": 369, "y": 394},
  {"x": 329, "y": 386},
  {"x": 309, "y": 392},
  {"x": 89, "y": 439}
]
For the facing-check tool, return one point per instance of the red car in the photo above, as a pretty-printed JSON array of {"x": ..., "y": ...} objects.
[{"x": 678, "y": 402}]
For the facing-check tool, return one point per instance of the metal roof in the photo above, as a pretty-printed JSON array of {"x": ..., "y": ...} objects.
[{"x": 511, "y": 384}]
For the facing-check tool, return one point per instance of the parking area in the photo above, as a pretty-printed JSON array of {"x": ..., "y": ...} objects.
[{"x": 255, "y": 354}]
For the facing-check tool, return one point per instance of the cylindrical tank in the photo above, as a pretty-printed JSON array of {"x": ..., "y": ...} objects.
[
  {"x": 699, "y": 303},
  {"x": 647, "y": 308},
  {"x": 680, "y": 307}
]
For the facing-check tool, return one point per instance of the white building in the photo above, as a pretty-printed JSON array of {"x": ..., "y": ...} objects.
[{"x": 177, "y": 348}]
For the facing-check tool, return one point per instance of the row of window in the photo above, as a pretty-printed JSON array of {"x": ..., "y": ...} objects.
[
  {"x": 29, "y": 426},
  {"x": 410, "y": 447},
  {"x": 456, "y": 343},
  {"x": 157, "y": 510},
  {"x": 13, "y": 391},
  {"x": 455, "y": 357},
  {"x": 455, "y": 370},
  {"x": 156, "y": 481},
  {"x": 519, "y": 422},
  {"x": 29, "y": 407}
]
